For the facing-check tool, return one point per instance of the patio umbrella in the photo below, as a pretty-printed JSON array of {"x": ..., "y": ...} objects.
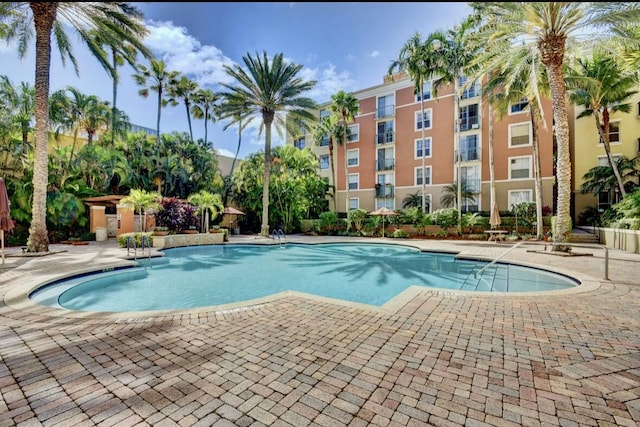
[
  {"x": 494, "y": 219},
  {"x": 383, "y": 212},
  {"x": 6, "y": 224},
  {"x": 232, "y": 211}
]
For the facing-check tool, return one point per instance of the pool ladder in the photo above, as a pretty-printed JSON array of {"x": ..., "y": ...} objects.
[
  {"x": 131, "y": 243},
  {"x": 278, "y": 234}
]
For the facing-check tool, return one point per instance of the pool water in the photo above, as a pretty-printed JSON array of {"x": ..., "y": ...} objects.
[{"x": 200, "y": 276}]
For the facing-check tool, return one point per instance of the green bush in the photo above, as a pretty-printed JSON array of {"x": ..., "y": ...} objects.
[
  {"x": 137, "y": 238},
  {"x": 400, "y": 234}
]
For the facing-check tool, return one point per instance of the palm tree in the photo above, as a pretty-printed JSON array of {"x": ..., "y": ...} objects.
[
  {"x": 451, "y": 194},
  {"x": 269, "y": 87},
  {"x": 183, "y": 90},
  {"x": 450, "y": 55},
  {"x": 120, "y": 19},
  {"x": 207, "y": 204},
  {"x": 120, "y": 52},
  {"x": 141, "y": 201},
  {"x": 601, "y": 179},
  {"x": 547, "y": 26},
  {"x": 155, "y": 78},
  {"x": 346, "y": 107},
  {"x": 602, "y": 88},
  {"x": 414, "y": 200},
  {"x": 205, "y": 106},
  {"x": 414, "y": 59},
  {"x": 328, "y": 127},
  {"x": 20, "y": 103}
]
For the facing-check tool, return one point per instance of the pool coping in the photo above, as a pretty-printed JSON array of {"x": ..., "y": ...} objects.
[{"x": 18, "y": 297}]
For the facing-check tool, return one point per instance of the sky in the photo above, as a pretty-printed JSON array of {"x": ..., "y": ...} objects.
[{"x": 342, "y": 46}]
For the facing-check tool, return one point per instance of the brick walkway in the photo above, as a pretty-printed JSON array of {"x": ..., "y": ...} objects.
[{"x": 433, "y": 358}]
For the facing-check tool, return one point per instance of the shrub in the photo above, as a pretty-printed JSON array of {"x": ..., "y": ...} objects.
[
  {"x": 400, "y": 234},
  {"x": 177, "y": 215},
  {"x": 137, "y": 238},
  {"x": 445, "y": 218}
]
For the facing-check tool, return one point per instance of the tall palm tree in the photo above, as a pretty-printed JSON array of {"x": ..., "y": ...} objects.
[
  {"x": 547, "y": 26},
  {"x": 602, "y": 88},
  {"x": 269, "y": 88},
  {"x": 155, "y": 78},
  {"x": 600, "y": 179},
  {"x": 205, "y": 106},
  {"x": 451, "y": 195},
  {"x": 123, "y": 20},
  {"x": 346, "y": 107},
  {"x": 182, "y": 89},
  {"x": 451, "y": 54},
  {"x": 328, "y": 127},
  {"x": 414, "y": 59},
  {"x": 120, "y": 52}
]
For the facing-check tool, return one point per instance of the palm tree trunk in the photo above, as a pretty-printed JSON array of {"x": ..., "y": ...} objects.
[
  {"x": 603, "y": 132},
  {"x": 535, "y": 119},
  {"x": 334, "y": 175},
  {"x": 268, "y": 119},
  {"x": 492, "y": 171},
  {"x": 114, "y": 95},
  {"x": 206, "y": 119},
  {"x": 456, "y": 136},
  {"x": 346, "y": 173},
  {"x": 44, "y": 14},
  {"x": 159, "y": 113},
  {"x": 186, "y": 105},
  {"x": 424, "y": 181}
]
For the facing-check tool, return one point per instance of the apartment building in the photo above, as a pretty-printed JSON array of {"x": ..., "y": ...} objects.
[
  {"x": 382, "y": 161},
  {"x": 588, "y": 151}
]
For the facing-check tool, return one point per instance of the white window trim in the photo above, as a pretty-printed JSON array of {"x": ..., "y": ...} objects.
[
  {"x": 328, "y": 161},
  {"x": 530, "y": 167},
  {"x": 415, "y": 175},
  {"x": 357, "y": 151},
  {"x": 524, "y": 111},
  {"x": 510, "y": 192},
  {"x": 358, "y": 181},
  {"x": 615, "y": 156},
  {"x": 415, "y": 148},
  {"x": 530, "y": 135},
  {"x": 601, "y": 144},
  {"x": 357, "y": 139},
  {"x": 357, "y": 199},
  {"x": 430, "y": 83},
  {"x": 428, "y": 111}
]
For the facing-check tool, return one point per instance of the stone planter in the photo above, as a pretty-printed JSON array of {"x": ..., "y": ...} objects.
[
  {"x": 161, "y": 233},
  {"x": 179, "y": 240}
]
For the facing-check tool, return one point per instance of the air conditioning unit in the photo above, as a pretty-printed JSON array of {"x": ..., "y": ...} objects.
[{"x": 475, "y": 126}]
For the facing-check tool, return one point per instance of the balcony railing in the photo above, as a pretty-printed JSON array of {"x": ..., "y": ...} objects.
[
  {"x": 387, "y": 137},
  {"x": 385, "y": 164},
  {"x": 385, "y": 111},
  {"x": 469, "y": 123},
  {"x": 472, "y": 185},
  {"x": 467, "y": 155},
  {"x": 384, "y": 191}
]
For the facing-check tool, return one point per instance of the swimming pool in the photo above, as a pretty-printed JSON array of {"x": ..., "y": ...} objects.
[{"x": 200, "y": 276}]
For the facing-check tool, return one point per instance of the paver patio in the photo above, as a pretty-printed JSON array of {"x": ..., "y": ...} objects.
[{"x": 436, "y": 357}]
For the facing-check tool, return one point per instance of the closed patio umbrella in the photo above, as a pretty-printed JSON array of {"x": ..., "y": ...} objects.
[
  {"x": 229, "y": 210},
  {"x": 383, "y": 212},
  {"x": 495, "y": 219},
  {"x": 6, "y": 224}
]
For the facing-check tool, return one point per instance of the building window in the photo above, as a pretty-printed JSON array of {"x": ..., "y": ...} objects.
[
  {"x": 469, "y": 118},
  {"x": 352, "y": 133},
  {"x": 324, "y": 113},
  {"x": 385, "y": 133},
  {"x": 354, "y": 180},
  {"x": 426, "y": 92},
  {"x": 354, "y": 203},
  {"x": 353, "y": 157},
  {"x": 519, "y": 107},
  {"x": 385, "y": 203},
  {"x": 471, "y": 91},
  {"x": 520, "y": 167},
  {"x": 519, "y": 134},
  {"x": 469, "y": 149},
  {"x": 614, "y": 132},
  {"x": 300, "y": 143},
  {"x": 427, "y": 174},
  {"x": 604, "y": 160},
  {"x": 426, "y": 120},
  {"x": 470, "y": 178},
  {"x": 385, "y": 106},
  {"x": 419, "y": 147},
  {"x": 519, "y": 196},
  {"x": 324, "y": 161}
]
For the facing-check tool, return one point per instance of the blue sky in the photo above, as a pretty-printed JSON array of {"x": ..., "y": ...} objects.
[{"x": 343, "y": 46}]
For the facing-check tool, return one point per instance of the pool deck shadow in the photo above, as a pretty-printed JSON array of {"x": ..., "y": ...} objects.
[{"x": 432, "y": 357}]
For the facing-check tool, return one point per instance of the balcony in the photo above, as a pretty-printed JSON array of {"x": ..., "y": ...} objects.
[
  {"x": 385, "y": 111},
  {"x": 469, "y": 123},
  {"x": 467, "y": 155},
  {"x": 387, "y": 137},
  {"x": 385, "y": 164},
  {"x": 471, "y": 185},
  {"x": 384, "y": 191}
]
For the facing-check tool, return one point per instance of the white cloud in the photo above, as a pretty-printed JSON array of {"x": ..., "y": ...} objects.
[
  {"x": 374, "y": 54},
  {"x": 351, "y": 57},
  {"x": 329, "y": 81}
]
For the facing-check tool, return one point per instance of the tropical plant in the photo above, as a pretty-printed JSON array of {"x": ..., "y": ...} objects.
[
  {"x": 122, "y": 20},
  {"x": 445, "y": 218},
  {"x": 207, "y": 203},
  {"x": 450, "y": 195},
  {"x": 346, "y": 107},
  {"x": 548, "y": 26},
  {"x": 267, "y": 88},
  {"x": 328, "y": 128},
  {"x": 602, "y": 87},
  {"x": 357, "y": 218},
  {"x": 601, "y": 179},
  {"x": 415, "y": 200},
  {"x": 182, "y": 89},
  {"x": 141, "y": 201},
  {"x": 205, "y": 106}
]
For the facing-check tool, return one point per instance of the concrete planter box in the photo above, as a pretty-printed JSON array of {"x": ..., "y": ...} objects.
[
  {"x": 617, "y": 238},
  {"x": 179, "y": 240}
]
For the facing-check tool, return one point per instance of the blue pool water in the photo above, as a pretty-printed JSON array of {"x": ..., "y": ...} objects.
[{"x": 202, "y": 276}]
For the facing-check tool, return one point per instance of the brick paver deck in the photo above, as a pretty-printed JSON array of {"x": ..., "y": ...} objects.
[{"x": 434, "y": 357}]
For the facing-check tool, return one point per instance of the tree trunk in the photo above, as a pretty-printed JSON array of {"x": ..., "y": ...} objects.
[
  {"x": 492, "y": 171},
  {"x": 334, "y": 174},
  {"x": 268, "y": 119},
  {"x": 44, "y": 15},
  {"x": 603, "y": 132},
  {"x": 535, "y": 121},
  {"x": 424, "y": 181},
  {"x": 114, "y": 58}
]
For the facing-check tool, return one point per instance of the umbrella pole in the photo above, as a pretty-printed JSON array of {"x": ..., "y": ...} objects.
[{"x": 2, "y": 238}]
